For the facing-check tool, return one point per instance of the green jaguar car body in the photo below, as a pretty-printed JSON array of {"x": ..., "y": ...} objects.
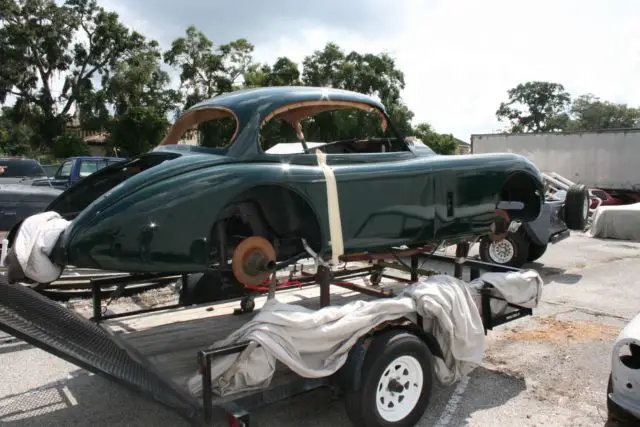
[{"x": 183, "y": 208}]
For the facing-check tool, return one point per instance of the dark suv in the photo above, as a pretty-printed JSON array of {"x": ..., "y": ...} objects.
[{"x": 18, "y": 170}]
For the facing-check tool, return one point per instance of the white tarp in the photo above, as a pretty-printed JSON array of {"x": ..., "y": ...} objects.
[
  {"x": 315, "y": 343},
  {"x": 617, "y": 222},
  {"x": 33, "y": 244},
  {"x": 523, "y": 288}
]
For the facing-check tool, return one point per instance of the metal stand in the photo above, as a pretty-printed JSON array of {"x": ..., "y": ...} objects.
[
  {"x": 462, "y": 251},
  {"x": 323, "y": 277}
]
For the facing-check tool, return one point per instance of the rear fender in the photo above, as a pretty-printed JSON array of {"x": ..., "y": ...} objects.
[{"x": 164, "y": 226}]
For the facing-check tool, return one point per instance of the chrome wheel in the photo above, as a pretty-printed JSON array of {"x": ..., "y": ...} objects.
[{"x": 502, "y": 252}]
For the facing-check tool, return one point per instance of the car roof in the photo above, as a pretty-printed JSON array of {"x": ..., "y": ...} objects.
[
  {"x": 19, "y": 159},
  {"x": 94, "y": 158},
  {"x": 267, "y": 99}
]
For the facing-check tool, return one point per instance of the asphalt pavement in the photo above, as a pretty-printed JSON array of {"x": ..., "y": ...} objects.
[{"x": 550, "y": 369}]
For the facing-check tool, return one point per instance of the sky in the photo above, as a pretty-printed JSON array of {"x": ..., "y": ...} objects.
[{"x": 459, "y": 57}]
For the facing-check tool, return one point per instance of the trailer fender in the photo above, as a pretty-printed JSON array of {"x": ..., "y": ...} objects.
[{"x": 349, "y": 376}]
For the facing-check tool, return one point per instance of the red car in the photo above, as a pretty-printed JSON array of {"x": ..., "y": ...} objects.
[{"x": 607, "y": 199}]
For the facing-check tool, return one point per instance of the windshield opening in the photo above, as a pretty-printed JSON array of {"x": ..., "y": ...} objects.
[
  {"x": 20, "y": 168},
  {"x": 332, "y": 126}
]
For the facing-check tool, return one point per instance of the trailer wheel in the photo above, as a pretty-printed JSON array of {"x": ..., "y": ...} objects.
[
  {"x": 536, "y": 251},
  {"x": 397, "y": 380},
  {"x": 512, "y": 251},
  {"x": 576, "y": 207}
]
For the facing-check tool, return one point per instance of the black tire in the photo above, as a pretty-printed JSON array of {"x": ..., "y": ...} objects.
[
  {"x": 574, "y": 207},
  {"x": 362, "y": 405},
  {"x": 536, "y": 251},
  {"x": 616, "y": 413},
  {"x": 519, "y": 250}
]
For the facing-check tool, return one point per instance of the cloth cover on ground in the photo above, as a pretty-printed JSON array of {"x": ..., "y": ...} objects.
[
  {"x": 616, "y": 222},
  {"x": 316, "y": 343}
]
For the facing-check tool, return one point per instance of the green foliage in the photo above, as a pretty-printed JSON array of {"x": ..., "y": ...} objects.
[
  {"x": 137, "y": 130},
  {"x": 440, "y": 143},
  {"x": 205, "y": 71},
  {"x": 69, "y": 144},
  {"x": 283, "y": 73},
  {"x": 547, "y": 107},
  {"x": 39, "y": 41},
  {"x": 588, "y": 112},
  {"x": 536, "y": 107}
]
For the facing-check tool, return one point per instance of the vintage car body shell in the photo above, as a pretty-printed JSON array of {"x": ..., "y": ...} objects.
[{"x": 161, "y": 219}]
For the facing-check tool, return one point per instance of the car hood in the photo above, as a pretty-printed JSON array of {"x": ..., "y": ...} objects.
[
  {"x": 25, "y": 180},
  {"x": 17, "y": 192},
  {"x": 123, "y": 178}
]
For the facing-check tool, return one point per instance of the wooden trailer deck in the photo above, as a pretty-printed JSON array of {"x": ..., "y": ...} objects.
[{"x": 171, "y": 339}]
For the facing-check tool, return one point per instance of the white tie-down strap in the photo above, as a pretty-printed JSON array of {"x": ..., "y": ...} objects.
[{"x": 333, "y": 208}]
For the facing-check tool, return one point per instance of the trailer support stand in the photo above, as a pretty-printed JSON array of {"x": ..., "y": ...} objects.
[
  {"x": 462, "y": 250},
  {"x": 323, "y": 276},
  {"x": 96, "y": 295},
  {"x": 414, "y": 268}
]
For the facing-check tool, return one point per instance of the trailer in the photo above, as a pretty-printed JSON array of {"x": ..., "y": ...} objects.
[
  {"x": 153, "y": 351},
  {"x": 604, "y": 159}
]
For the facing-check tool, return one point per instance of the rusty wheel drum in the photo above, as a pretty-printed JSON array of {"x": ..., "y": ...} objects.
[
  {"x": 253, "y": 260},
  {"x": 500, "y": 226}
]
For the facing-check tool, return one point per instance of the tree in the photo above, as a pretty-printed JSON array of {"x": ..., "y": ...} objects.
[
  {"x": 284, "y": 72},
  {"x": 205, "y": 71},
  {"x": 536, "y": 107},
  {"x": 137, "y": 130},
  {"x": 441, "y": 144},
  {"x": 371, "y": 74},
  {"x": 38, "y": 42},
  {"x": 588, "y": 112},
  {"x": 69, "y": 144}
]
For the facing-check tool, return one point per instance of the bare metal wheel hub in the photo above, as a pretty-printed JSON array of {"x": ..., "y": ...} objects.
[
  {"x": 399, "y": 388},
  {"x": 502, "y": 251}
]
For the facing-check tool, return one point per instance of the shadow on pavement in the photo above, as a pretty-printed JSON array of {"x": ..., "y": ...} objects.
[
  {"x": 83, "y": 400},
  {"x": 87, "y": 400}
]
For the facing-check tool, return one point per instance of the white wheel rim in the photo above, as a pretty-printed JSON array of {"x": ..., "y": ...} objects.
[
  {"x": 585, "y": 208},
  {"x": 399, "y": 388},
  {"x": 501, "y": 252}
]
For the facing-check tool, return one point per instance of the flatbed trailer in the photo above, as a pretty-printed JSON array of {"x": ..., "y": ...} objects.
[{"x": 154, "y": 351}]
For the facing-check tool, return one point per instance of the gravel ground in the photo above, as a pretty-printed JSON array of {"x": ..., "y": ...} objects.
[{"x": 550, "y": 369}]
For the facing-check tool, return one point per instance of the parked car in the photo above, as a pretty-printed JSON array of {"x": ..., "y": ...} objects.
[
  {"x": 606, "y": 199},
  {"x": 18, "y": 202},
  {"x": 20, "y": 170},
  {"x": 51, "y": 170},
  {"x": 186, "y": 208},
  {"x": 74, "y": 169},
  {"x": 529, "y": 241},
  {"x": 623, "y": 390}
]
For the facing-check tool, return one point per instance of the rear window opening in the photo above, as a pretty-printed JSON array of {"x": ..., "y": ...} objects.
[{"x": 210, "y": 127}]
